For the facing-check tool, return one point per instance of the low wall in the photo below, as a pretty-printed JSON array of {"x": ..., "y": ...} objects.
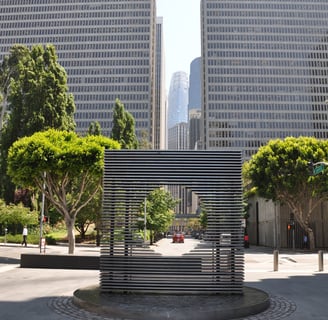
[{"x": 59, "y": 261}]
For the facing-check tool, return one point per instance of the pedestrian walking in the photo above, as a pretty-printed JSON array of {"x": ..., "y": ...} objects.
[
  {"x": 305, "y": 242},
  {"x": 25, "y": 236}
]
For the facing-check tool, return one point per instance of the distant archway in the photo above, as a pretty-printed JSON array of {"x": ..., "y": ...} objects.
[{"x": 215, "y": 266}]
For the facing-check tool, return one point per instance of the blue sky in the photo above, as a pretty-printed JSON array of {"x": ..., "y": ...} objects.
[{"x": 181, "y": 34}]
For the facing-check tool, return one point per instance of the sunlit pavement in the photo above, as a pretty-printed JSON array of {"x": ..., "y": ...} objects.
[{"x": 298, "y": 288}]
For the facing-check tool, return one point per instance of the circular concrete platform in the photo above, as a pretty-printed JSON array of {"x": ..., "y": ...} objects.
[{"x": 177, "y": 307}]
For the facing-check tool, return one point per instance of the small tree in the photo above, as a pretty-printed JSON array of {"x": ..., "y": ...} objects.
[
  {"x": 94, "y": 128},
  {"x": 17, "y": 215},
  {"x": 67, "y": 165},
  {"x": 159, "y": 212},
  {"x": 123, "y": 127},
  {"x": 280, "y": 171}
]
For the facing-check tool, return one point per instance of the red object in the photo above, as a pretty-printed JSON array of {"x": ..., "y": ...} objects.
[
  {"x": 246, "y": 237},
  {"x": 178, "y": 238}
]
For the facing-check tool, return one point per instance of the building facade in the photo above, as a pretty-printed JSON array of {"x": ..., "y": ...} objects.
[
  {"x": 268, "y": 225},
  {"x": 265, "y": 71},
  {"x": 107, "y": 48},
  {"x": 178, "y": 137}
]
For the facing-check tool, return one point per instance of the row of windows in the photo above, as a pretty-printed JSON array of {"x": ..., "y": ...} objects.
[
  {"x": 109, "y": 105},
  {"x": 250, "y": 137},
  {"x": 270, "y": 88},
  {"x": 101, "y": 54},
  {"x": 270, "y": 37},
  {"x": 97, "y": 80},
  {"x": 267, "y": 41},
  {"x": 81, "y": 39},
  {"x": 268, "y": 125},
  {"x": 265, "y": 78},
  {"x": 242, "y": 23},
  {"x": 280, "y": 5},
  {"x": 286, "y": 98},
  {"x": 101, "y": 47},
  {"x": 268, "y": 106},
  {"x": 273, "y": 116},
  {"x": 111, "y": 97},
  {"x": 106, "y": 115},
  {"x": 299, "y": 66},
  {"x": 75, "y": 17},
  {"x": 124, "y": 13},
  {"x": 85, "y": 4},
  {"x": 261, "y": 11},
  {"x": 84, "y": 126},
  {"x": 98, "y": 69},
  {"x": 111, "y": 88},
  {"x": 267, "y": 46},
  {"x": 87, "y": 32}
]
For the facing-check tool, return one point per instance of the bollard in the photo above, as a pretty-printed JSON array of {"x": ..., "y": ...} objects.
[
  {"x": 320, "y": 254},
  {"x": 275, "y": 260}
]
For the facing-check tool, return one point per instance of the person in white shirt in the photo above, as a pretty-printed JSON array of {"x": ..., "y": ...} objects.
[{"x": 24, "y": 236}]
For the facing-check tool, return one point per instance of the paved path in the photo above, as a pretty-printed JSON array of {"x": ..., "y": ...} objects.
[{"x": 298, "y": 290}]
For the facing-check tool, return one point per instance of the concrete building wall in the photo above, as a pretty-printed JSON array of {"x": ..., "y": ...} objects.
[{"x": 267, "y": 225}]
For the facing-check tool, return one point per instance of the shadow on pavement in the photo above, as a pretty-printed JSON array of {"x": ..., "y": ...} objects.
[
  {"x": 6, "y": 260},
  {"x": 296, "y": 297}
]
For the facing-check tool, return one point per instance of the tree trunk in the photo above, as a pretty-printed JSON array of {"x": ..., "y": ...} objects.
[
  {"x": 311, "y": 239},
  {"x": 70, "y": 222}
]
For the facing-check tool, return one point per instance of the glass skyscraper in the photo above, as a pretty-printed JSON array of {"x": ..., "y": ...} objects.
[
  {"x": 178, "y": 99},
  {"x": 265, "y": 71},
  {"x": 107, "y": 47}
]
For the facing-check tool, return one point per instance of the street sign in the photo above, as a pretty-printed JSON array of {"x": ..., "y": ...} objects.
[{"x": 318, "y": 169}]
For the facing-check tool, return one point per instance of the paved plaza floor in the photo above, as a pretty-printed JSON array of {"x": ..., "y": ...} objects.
[{"x": 298, "y": 291}]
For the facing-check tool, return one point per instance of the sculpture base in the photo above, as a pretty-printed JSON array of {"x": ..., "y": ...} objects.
[{"x": 177, "y": 307}]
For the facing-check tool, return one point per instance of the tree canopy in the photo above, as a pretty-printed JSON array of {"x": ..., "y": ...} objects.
[
  {"x": 280, "y": 171},
  {"x": 35, "y": 93},
  {"x": 64, "y": 166},
  {"x": 17, "y": 215},
  {"x": 159, "y": 211},
  {"x": 123, "y": 129}
]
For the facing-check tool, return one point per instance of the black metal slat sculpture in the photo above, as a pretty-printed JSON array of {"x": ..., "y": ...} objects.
[{"x": 216, "y": 265}]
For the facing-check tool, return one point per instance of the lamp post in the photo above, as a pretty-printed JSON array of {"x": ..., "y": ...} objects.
[
  {"x": 145, "y": 221},
  {"x": 42, "y": 214}
]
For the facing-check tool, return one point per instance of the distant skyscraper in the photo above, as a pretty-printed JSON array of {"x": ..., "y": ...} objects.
[
  {"x": 107, "y": 48},
  {"x": 194, "y": 92},
  {"x": 160, "y": 118},
  {"x": 265, "y": 71},
  {"x": 178, "y": 99},
  {"x": 194, "y": 103}
]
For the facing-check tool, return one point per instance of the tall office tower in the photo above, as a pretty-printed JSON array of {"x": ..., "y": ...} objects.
[
  {"x": 194, "y": 103},
  {"x": 265, "y": 71},
  {"x": 106, "y": 46},
  {"x": 178, "y": 99},
  {"x": 160, "y": 114}
]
